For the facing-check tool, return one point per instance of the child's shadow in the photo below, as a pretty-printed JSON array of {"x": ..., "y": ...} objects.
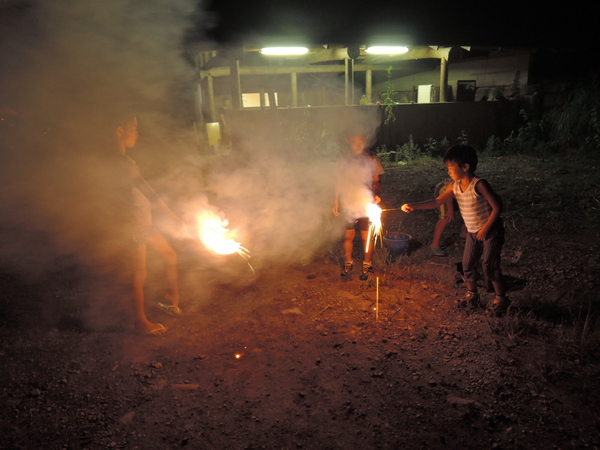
[
  {"x": 513, "y": 283},
  {"x": 510, "y": 283}
]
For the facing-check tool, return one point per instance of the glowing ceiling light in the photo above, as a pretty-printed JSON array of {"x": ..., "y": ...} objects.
[
  {"x": 386, "y": 50},
  {"x": 284, "y": 50}
]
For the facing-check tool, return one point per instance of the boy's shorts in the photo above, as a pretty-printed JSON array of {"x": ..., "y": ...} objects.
[
  {"x": 361, "y": 224},
  {"x": 142, "y": 234}
]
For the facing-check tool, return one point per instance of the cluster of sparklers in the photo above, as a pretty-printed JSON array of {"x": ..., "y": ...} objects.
[
  {"x": 213, "y": 232},
  {"x": 375, "y": 229}
]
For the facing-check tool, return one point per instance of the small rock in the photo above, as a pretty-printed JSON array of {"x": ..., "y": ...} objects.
[
  {"x": 190, "y": 386},
  {"x": 458, "y": 401},
  {"x": 127, "y": 418}
]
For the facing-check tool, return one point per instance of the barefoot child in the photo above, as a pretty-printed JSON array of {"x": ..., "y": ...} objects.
[
  {"x": 480, "y": 208},
  {"x": 358, "y": 181},
  {"x": 139, "y": 200}
]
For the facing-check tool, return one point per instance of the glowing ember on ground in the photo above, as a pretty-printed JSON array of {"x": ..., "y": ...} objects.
[
  {"x": 214, "y": 234},
  {"x": 375, "y": 230},
  {"x": 238, "y": 355}
]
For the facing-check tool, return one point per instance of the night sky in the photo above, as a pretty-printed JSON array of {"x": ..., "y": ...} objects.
[{"x": 433, "y": 22}]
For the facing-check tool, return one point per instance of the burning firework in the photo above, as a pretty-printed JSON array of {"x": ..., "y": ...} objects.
[
  {"x": 214, "y": 234},
  {"x": 375, "y": 229}
]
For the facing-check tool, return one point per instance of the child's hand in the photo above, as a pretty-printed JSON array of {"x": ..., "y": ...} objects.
[
  {"x": 481, "y": 235},
  {"x": 407, "y": 208},
  {"x": 376, "y": 199}
]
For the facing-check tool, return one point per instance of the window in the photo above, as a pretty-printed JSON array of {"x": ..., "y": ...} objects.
[{"x": 252, "y": 100}]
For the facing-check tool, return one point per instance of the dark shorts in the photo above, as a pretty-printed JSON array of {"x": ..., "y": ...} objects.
[
  {"x": 142, "y": 234},
  {"x": 361, "y": 224}
]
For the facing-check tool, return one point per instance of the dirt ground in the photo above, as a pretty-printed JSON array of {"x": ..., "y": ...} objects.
[{"x": 317, "y": 366}]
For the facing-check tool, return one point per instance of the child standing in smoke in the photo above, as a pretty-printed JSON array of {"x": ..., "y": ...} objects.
[
  {"x": 138, "y": 197},
  {"x": 357, "y": 183},
  {"x": 480, "y": 208}
]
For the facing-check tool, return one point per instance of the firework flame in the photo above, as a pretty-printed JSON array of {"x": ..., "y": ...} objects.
[
  {"x": 214, "y": 234},
  {"x": 374, "y": 215}
]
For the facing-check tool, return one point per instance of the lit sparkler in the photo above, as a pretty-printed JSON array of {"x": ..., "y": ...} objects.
[
  {"x": 217, "y": 238},
  {"x": 375, "y": 229}
]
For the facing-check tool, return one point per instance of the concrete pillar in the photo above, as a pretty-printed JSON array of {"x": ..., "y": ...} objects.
[
  {"x": 212, "y": 110},
  {"x": 294, "y": 81},
  {"x": 346, "y": 96},
  {"x": 236, "y": 101},
  {"x": 199, "y": 104},
  {"x": 369, "y": 85},
  {"x": 443, "y": 78},
  {"x": 352, "y": 102}
]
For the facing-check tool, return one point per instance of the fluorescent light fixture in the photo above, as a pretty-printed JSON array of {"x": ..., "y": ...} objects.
[
  {"x": 284, "y": 50},
  {"x": 386, "y": 50}
]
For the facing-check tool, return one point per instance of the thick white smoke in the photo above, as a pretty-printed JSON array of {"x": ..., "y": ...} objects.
[{"x": 68, "y": 67}]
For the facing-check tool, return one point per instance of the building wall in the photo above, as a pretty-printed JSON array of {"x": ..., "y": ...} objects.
[
  {"x": 478, "y": 120},
  {"x": 487, "y": 72}
]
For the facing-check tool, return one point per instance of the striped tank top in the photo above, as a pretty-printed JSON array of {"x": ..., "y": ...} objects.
[{"x": 474, "y": 208}]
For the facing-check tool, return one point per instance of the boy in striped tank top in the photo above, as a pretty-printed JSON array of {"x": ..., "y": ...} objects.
[{"x": 480, "y": 208}]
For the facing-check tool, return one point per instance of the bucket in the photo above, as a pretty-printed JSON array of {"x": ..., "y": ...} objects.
[{"x": 397, "y": 241}]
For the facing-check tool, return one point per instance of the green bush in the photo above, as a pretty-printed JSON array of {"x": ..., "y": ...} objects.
[
  {"x": 576, "y": 124},
  {"x": 408, "y": 151},
  {"x": 434, "y": 148}
]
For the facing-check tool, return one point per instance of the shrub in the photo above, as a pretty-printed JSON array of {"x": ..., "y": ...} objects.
[
  {"x": 576, "y": 123},
  {"x": 408, "y": 151},
  {"x": 436, "y": 148}
]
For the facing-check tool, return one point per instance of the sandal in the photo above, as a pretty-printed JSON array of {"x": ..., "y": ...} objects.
[
  {"x": 499, "y": 306},
  {"x": 437, "y": 251},
  {"x": 159, "y": 331},
  {"x": 347, "y": 269},
  {"x": 170, "y": 310},
  {"x": 366, "y": 270}
]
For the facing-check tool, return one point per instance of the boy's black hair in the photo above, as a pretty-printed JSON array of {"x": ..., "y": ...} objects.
[{"x": 461, "y": 155}]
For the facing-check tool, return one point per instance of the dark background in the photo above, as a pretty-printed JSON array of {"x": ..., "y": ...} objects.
[{"x": 436, "y": 22}]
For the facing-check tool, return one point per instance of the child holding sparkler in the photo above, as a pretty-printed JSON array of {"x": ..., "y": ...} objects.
[
  {"x": 138, "y": 197},
  {"x": 480, "y": 208},
  {"x": 358, "y": 181}
]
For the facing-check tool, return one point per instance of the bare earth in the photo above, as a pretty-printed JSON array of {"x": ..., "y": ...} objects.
[{"x": 318, "y": 366}]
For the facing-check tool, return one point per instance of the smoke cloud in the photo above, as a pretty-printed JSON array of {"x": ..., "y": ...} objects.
[{"x": 68, "y": 68}]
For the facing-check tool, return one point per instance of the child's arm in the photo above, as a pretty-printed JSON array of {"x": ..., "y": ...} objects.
[
  {"x": 447, "y": 196},
  {"x": 376, "y": 188},
  {"x": 484, "y": 188},
  {"x": 149, "y": 193},
  {"x": 449, "y": 210},
  {"x": 336, "y": 204}
]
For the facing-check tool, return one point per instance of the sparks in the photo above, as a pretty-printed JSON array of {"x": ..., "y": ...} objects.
[
  {"x": 375, "y": 230},
  {"x": 214, "y": 234}
]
